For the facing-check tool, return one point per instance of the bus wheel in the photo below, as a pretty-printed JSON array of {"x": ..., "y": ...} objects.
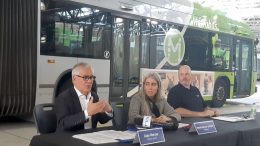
[{"x": 220, "y": 93}]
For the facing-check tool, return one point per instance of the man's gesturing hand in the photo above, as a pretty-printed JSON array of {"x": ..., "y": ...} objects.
[{"x": 94, "y": 108}]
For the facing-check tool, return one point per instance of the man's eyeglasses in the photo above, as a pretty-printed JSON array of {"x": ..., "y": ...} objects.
[{"x": 86, "y": 78}]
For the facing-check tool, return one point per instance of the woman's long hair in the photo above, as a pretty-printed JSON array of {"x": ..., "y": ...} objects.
[{"x": 142, "y": 93}]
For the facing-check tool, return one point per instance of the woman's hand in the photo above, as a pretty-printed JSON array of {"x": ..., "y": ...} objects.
[{"x": 162, "y": 119}]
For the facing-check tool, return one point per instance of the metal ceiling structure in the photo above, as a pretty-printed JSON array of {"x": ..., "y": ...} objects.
[{"x": 248, "y": 10}]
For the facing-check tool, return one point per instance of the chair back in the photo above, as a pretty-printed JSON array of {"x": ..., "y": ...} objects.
[
  {"x": 45, "y": 118},
  {"x": 120, "y": 110}
]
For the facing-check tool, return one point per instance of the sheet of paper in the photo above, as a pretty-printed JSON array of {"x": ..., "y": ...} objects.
[
  {"x": 106, "y": 136},
  {"x": 232, "y": 118},
  {"x": 181, "y": 125}
]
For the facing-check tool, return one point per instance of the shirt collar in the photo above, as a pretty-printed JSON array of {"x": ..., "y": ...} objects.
[
  {"x": 80, "y": 94},
  {"x": 185, "y": 87}
]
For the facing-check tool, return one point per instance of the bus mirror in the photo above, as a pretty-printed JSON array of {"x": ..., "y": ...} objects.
[{"x": 256, "y": 41}]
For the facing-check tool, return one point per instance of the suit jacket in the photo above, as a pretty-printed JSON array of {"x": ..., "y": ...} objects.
[
  {"x": 138, "y": 108},
  {"x": 70, "y": 116}
]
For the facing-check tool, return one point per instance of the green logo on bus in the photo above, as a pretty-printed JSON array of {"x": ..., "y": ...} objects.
[{"x": 174, "y": 47}]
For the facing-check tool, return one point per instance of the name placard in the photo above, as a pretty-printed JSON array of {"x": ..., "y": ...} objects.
[
  {"x": 150, "y": 136},
  {"x": 205, "y": 127}
]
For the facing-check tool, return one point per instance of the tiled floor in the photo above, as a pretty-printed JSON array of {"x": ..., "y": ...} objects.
[{"x": 16, "y": 132}]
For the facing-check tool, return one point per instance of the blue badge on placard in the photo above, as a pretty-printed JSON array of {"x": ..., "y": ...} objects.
[
  {"x": 205, "y": 127},
  {"x": 149, "y": 136}
]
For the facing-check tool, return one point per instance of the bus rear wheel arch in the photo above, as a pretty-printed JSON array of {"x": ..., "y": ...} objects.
[{"x": 220, "y": 93}]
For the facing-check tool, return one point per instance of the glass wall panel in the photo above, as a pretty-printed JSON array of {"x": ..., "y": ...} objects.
[{"x": 74, "y": 30}]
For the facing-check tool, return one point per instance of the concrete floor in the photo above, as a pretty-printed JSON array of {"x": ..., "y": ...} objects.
[{"x": 17, "y": 132}]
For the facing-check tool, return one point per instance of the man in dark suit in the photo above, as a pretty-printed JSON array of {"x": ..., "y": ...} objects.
[{"x": 79, "y": 108}]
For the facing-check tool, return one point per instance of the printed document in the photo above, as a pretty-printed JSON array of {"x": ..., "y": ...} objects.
[
  {"x": 106, "y": 136},
  {"x": 232, "y": 118},
  {"x": 181, "y": 125}
]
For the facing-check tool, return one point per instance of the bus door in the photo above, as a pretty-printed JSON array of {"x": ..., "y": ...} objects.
[
  {"x": 124, "y": 79},
  {"x": 242, "y": 67},
  {"x": 258, "y": 67}
]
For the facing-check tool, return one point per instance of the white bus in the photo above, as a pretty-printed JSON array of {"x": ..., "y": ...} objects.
[
  {"x": 118, "y": 38},
  {"x": 258, "y": 66}
]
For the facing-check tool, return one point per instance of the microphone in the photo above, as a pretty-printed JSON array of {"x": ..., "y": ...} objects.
[
  {"x": 172, "y": 125},
  {"x": 145, "y": 121},
  {"x": 138, "y": 121}
]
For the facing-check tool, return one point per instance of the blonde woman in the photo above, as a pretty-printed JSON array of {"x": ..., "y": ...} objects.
[{"x": 149, "y": 102}]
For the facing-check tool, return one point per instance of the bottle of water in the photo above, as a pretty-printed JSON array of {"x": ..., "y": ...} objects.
[{"x": 253, "y": 111}]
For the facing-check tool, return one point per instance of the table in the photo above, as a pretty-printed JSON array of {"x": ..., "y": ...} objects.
[{"x": 229, "y": 134}]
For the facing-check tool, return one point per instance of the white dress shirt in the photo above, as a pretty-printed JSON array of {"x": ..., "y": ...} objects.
[{"x": 84, "y": 105}]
